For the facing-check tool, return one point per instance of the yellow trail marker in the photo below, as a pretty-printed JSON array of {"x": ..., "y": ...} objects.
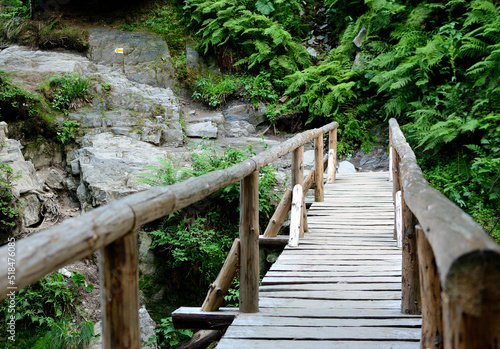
[{"x": 119, "y": 50}]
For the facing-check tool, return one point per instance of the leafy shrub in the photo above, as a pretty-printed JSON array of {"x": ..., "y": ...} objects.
[
  {"x": 68, "y": 132},
  {"x": 169, "y": 336},
  {"x": 214, "y": 89},
  {"x": 9, "y": 211},
  {"x": 67, "y": 91},
  {"x": 47, "y": 306}
]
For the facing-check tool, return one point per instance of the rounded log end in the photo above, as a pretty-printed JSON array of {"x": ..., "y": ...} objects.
[{"x": 473, "y": 282}]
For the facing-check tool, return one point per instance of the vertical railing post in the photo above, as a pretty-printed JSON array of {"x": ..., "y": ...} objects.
[
  {"x": 249, "y": 243},
  {"x": 410, "y": 285},
  {"x": 298, "y": 178},
  {"x": 430, "y": 287},
  {"x": 332, "y": 156},
  {"x": 319, "y": 193},
  {"x": 120, "y": 293},
  {"x": 395, "y": 182}
]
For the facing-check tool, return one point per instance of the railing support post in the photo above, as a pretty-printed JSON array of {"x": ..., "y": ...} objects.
[
  {"x": 319, "y": 193},
  {"x": 249, "y": 244},
  {"x": 395, "y": 183},
  {"x": 410, "y": 285},
  {"x": 120, "y": 293},
  {"x": 298, "y": 178},
  {"x": 430, "y": 287},
  {"x": 332, "y": 156}
]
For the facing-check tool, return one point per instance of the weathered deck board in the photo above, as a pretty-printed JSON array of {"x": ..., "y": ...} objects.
[{"x": 341, "y": 287}]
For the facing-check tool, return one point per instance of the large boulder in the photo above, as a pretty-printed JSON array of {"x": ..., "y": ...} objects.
[
  {"x": 109, "y": 166},
  {"x": 239, "y": 111}
]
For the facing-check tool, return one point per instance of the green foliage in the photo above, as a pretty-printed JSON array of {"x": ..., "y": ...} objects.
[
  {"x": 167, "y": 335},
  {"x": 9, "y": 211},
  {"x": 47, "y": 306},
  {"x": 68, "y": 133},
  {"x": 197, "y": 239},
  {"x": 65, "y": 335},
  {"x": 14, "y": 8},
  {"x": 65, "y": 92},
  {"x": 214, "y": 89},
  {"x": 165, "y": 18},
  {"x": 250, "y": 39}
]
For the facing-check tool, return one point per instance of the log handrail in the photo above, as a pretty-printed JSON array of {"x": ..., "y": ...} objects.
[{"x": 467, "y": 259}]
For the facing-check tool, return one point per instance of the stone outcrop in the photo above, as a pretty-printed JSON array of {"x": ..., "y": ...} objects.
[{"x": 107, "y": 167}]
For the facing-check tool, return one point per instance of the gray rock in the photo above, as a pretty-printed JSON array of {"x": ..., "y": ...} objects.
[
  {"x": 31, "y": 210},
  {"x": 146, "y": 329},
  {"x": 145, "y": 57},
  {"x": 239, "y": 111},
  {"x": 309, "y": 159},
  {"x": 202, "y": 129},
  {"x": 55, "y": 180},
  {"x": 312, "y": 51},
  {"x": 346, "y": 167},
  {"x": 126, "y": 104},
  {"x": 110, "y": 166},
  {"x": 238, "y": 129},
  {"x": 146, "y": 255}
]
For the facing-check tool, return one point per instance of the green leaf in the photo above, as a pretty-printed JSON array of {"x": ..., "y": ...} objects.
[{"x": 265, "y": 7}]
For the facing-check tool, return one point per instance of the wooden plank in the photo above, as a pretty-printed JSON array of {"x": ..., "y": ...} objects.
[
  {"x": 195, "y": 318},
  {"x": 320, "y": 333},
  {"x": 395, "y": 286},
  {"x": 317, "y": 344},
  {"x": 329, "y": 313},
  {"x": 332, "y": 295},
  {"x": 297, "y": 280},
  {"x": 244, "y": 320}
]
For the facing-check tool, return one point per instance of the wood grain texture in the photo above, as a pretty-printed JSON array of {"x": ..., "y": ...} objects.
[
  {"x": 119, "y": 274},
  {"x": 319, "y": 194},
  {"x": 468, "y": 260},
  {"x": 249, "y": 244},
  {"x": 295, "y": 216},
  {"x": 279, "y": 215}
]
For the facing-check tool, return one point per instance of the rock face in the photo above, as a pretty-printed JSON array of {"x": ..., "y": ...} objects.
[
  {"x": 28, "y": 188},
  {"x": 239, "y": 111},
  {"x": 145, "y": 58},
  {"x": 120, "y": 105},
  {"x": 109, "y": 166}
]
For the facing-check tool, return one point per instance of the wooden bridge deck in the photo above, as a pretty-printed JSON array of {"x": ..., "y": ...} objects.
[{"x": 341, "y": 288}]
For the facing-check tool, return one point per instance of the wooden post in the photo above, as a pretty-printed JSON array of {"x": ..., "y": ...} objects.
[
  {"x": 218, "y": 289},
  {"x": 398, "y": 217},
  {"x": 410, "y": 285},
  {"x": 296, "y": 214},
  {"x": 279, "y": 215},
  {"x": 396, "y": 186},
  {"x": 332, "y": 156},
  {"x": 430, "y": 290},
  {"x": 120, "y": 293},
  {"x": 298, "y": 178},
  {"x": 319, "y": 194},
  {"x": 249, "y": 244}
]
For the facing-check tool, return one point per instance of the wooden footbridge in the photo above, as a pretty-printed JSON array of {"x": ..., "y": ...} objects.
[{"x": 341, "y": 281}]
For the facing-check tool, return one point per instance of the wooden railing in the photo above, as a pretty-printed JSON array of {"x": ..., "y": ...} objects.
[
  {"x": 111, "y": 230},
  {"x": 451, "y": 267}
]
